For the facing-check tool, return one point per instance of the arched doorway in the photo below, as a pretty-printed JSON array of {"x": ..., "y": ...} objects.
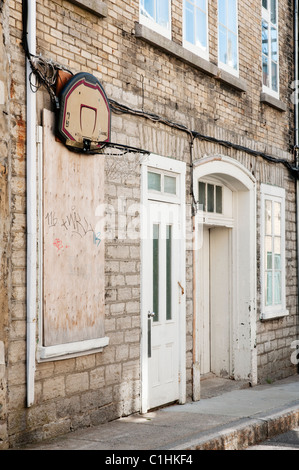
[{"x": 225, "y": 284}]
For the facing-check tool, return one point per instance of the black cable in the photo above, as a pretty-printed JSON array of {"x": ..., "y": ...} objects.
[{"x": 120, "y": 108}]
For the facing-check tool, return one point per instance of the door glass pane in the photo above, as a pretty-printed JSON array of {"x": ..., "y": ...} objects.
[
  {"x": 169, "y": 184},
  {"x": 156, "y": 271},
  {"x": 211, "y": 197},
  {"x": 202, "y": 196},
  {"x": 154, "y": 181},
  {"x": 219, "y": 199},
  {"x": 168, "y": 272}
]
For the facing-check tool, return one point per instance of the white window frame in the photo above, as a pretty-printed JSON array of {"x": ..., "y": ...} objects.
[
  {"x": 222, "y": 65},
  {"x": 266, "y": 16},
  {"x": 151, "y": 24},
  {"x": 200, "y": 51},
  {"x": 273, "y": 194}
]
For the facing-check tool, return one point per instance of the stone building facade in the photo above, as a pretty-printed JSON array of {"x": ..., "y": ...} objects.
[{"x": 199, "y": 116}]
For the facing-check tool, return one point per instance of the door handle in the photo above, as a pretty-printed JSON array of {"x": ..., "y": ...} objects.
[{"x": 150, "y": 315}]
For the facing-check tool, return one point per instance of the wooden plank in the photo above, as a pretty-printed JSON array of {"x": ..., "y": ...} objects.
[{"x": 73, "y": 248}]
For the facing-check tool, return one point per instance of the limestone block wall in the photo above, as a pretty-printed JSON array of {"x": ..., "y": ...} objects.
[{"x": 86, "y": 390}]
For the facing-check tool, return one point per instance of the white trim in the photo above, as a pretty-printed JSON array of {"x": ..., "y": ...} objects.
[
  {"x": 153, "y": 25},
  {"x": 200, "y": 51},
  {"x": 169, "y": 165},
  {"x": 63, "y": 351},
  {"x": 227, "y": 68},
  {"x": 266, "y": 15},
  {"x": 273, "y": 193}
]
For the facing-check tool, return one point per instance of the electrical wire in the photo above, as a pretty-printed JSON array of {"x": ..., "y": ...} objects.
[{"x": 119, "y": 108}]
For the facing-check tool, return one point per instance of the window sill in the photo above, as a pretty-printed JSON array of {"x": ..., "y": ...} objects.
[
  {"x": 188, "y": 57},
  {"x": 94, "y": 6},
  {"x": 274, "y": 315},
  {"x": 65, "y": 351},
  {"x": 274, "y": 102}
]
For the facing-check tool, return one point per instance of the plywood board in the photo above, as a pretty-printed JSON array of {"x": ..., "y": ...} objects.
[{"x": 73, "y": 248}]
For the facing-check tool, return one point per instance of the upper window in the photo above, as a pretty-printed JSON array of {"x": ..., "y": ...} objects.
[
  {"x": 273, "y": 251},
  {"x": 228, "y": 35},
  {"x": 196, "y": 26},
  {"x": 162, "y": 183},
  {"x": 156, "y": 14},
  {"x": 270, "y": 47}
]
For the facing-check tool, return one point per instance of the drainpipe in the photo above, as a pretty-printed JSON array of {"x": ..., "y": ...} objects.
[
  {"x": 296, "y": 20},
  {"x": 31, "y": 208}
]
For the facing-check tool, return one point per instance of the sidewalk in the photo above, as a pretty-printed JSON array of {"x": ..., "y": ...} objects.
[{"x": 230, "y": 421}]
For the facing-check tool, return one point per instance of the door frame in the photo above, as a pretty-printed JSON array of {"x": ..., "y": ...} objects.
[
  {"x": 179, "y": 168},
  {"x": 243, "y": 184}
]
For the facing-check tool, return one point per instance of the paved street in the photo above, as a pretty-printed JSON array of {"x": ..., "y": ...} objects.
[{"x": 286, "y": 441}]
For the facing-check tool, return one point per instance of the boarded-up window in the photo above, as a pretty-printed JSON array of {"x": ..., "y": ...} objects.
[{"x": 73, "y": 247}]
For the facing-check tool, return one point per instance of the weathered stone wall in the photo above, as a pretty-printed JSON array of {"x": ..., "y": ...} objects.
[{"x": 99, "y": 387}]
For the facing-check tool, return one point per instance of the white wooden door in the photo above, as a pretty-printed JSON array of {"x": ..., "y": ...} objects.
[
  {"x": 161, "y": 300},
  {"x": 215, "y": 301}
]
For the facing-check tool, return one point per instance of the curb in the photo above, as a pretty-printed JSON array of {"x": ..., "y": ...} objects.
[{"x": 251, "y": 432}]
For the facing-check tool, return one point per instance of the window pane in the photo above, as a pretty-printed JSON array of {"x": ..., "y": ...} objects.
[
  {"x": 274, "y": 44},
  {"x": 266, "y": 71},
  {"x": 202, "y": 195},
  {"x": 211, "y": 197},
  {"x": 169, "y": 184},
  {"x": 168, "y": 272},
  {"x": 265, "y": 4},
  {"x": 222, "y": 12},
  {"x": 277, "y": 253},
  {"x": 268, "y": 252},
  {"x": 163, "y": 13},
  {"x": 201, "y": 29},
  {"x": 156, "y": 272},
  {"x": 148, "y": 8},
  {"x": 154, "y": 181},
  {"x": 277, "y": 218},
  {"x": 274, "y": 77},
  {"x": 219, "y": 199},
  {"x": 277, "y": 287},
  {"x": 265, "y": 43},
  {"x": 222, "y": 45},
  {"x": 268, "y": 217},
  {"x": 189, "y": 23},
  {"x": 232, "y": 16},
  {"x": 268, "y": 288},
  {"x": 273, "y": 12},
  {"x": 232, "y": 51}
]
